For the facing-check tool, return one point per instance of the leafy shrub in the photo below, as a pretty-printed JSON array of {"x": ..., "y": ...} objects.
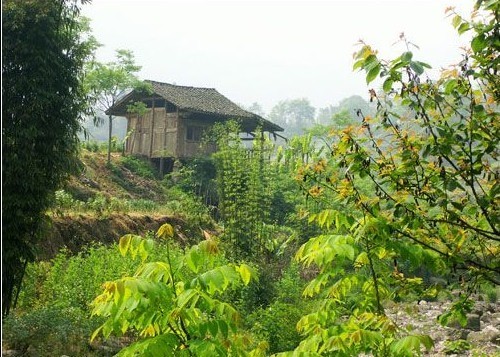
[
  {"x": 139, "y": 166},
  {"x": 53, "y": 313},
  {"x": 49, "y": 331},
  {"x": 91, "y": 145},
  {"x": 72, "y": 281},
  {"x": 174, "y": 303},
  {"x": 65, "y": 201},
  {"x": 291, "y": 285},
  {"x": 491, "y": 292},
  {"x": 100, "y": 204},
  {"x": 195, "y": 175},
  {"x": 102, "y": 146},
  {"x": 277, "y": 325},
  {"x": 189, "y": 206},
  {"x": 457, "y": 346},
  {"x": 143, "y": 205}
]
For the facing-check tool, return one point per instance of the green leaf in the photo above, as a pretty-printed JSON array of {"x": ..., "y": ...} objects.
[
  {"x": 361, "y": 260},
  {"x": 452, "y": 184},
  {"x": 213, "y": 327},
  {"x": 479, "y": 43},
  {"x": 186, "y": 296},
  {"x": 373, "y": 73},
  {"x": 224, "y": 328},
  {"x": 417, "y": 67},
  {"x": 450, "y": 85},
  {"x": 411, "y": 345},
  {"x": 194, "y": 259},
  {"x": 407, "y": 56},
  {"x": 464, "y": 27},
  {"x": 124, "y": 244},
  {"x": 245, "y": 273},
  {"x": 370, "y": 62},
  {"x": 457, "y": 20},
  {"x": 358, "y": 64},
  {"x": 387, "y": 86}
]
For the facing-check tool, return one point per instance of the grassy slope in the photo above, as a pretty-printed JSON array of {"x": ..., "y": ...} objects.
[{"x": 107, "y": 201}]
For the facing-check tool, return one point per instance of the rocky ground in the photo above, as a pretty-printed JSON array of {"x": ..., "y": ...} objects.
[{"x": 479, "y": 338}]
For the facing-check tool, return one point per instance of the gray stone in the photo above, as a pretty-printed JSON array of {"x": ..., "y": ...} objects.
[
  {"x": 488, "y": 334},
  {"x": 490, "y": 319},
  {"x": 464, "y": 333},
  {"x": 473, "y": 322}
]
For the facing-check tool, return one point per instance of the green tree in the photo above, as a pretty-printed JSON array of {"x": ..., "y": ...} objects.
[
  {"x": 348, "y": 105},
  {"x": 293, "y": 114},
  {"x": 107, "y": 81},
  {"x": 176, "y": 305},
  {"x": 244, "y": 185},
  {"x": 257, "y": 109},
  {"x": 43, "y": 56},
  {"x": 419, "y": 187}
]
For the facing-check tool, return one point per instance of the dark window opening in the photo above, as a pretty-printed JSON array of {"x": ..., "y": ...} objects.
[
  {"x": 169, "y": 107},
  {"x": 194, "y": 133},
  {"x": 158, "y": 103}
]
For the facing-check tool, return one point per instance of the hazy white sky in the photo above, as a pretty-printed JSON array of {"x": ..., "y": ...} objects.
[{"x": 267, "y": 51}]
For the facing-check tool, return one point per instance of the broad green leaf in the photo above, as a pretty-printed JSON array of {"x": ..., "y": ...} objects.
[
  {"x": 387, "y": 86},
  {"x": 358, "y": 64},
  {"x": 479, "y": 43},
  {"x": 124, "y": 244},
  {"x": 213, "y": 327},
  {"x": 457, "y": 20},
  {"x": 245, "y": 273},
  {"x": 411, "y": 345},
  {"x": 450, "y": 85},
  {"x": 373, "y": 73},
  {"x": 407, "y": 56},
  {"x": 464, "y": 27},
  {"x": 361, "y": 260},
  {"x": 417, "y": 67},
  {"x": 186, "y": 297},
  {"x": 370, "y": 62},
  {"x": 223, "y": 328},
  {"x": 154, "y": 346},
  {"x": 194, "y": 259}
]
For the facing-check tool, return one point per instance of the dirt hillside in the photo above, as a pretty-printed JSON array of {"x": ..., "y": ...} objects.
[{"x": 72, "y": 224}]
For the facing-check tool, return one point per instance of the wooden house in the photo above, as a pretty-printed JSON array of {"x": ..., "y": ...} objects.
[{"x": 176, "y": 118}]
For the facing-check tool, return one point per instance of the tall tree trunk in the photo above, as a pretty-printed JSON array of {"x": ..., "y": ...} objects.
[{"x": 109, "y": 137}]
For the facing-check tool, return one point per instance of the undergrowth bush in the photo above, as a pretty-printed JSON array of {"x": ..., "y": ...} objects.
[
  {"x": 276, "y": 323},
  {"x": 144, "y": 205},
  {"x": 138, "y": 166},
  {"x": 102, "y": 146},
  {"x": 49, "y": 330},
  {"x": 52, "y": 316},
  {"x": 188, "y": 206}
]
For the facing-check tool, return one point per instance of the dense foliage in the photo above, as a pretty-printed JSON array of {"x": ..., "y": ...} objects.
[
  {"x": 175, "y": 305},
  {"x": 243, "y": 182},
  {"x": 419, "y": 186},
  {"x": 43, "y": 100}
]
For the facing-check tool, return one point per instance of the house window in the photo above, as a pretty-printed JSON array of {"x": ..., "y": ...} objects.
[
  {"x": 194, "y": 133},
  {"x": 169, "y": 107}
]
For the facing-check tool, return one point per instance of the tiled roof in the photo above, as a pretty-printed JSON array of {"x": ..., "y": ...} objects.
[
  {"x": 206, "y": 100},
  {"x": 201, "y": 100}
]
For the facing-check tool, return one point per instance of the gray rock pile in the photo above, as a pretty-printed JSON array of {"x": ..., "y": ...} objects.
[{"x": 479, "y": 338}]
